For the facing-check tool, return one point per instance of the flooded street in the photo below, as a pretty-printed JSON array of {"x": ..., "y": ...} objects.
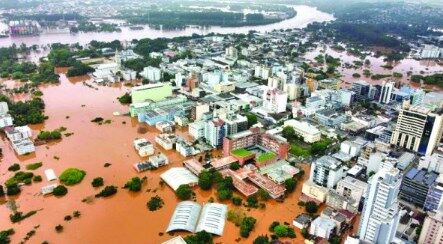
[
  {"x": 124, "y": 217},
  {"x": 424, "y": 67},
  {"x": 305, "y": 15}
]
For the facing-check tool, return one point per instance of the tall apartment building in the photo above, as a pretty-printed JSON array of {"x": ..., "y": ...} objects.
[
  {"x": 432, "y": 230},
  {"x": 151, "y": 73},
  {"x": 415, "y": 186},
  {"x": 360, "y": 89},
  {"x": 215, "y": 131},
  {"x": 418, "y": 129},
  {"x": 326, "y": 171},
  {"x": 275, "y": 100},
  {"x": 235, "y": 123},
  {"x": 386, "y": 91},
  {"x": 434, "y": 199},
  {"x": 380, "y": 215}
]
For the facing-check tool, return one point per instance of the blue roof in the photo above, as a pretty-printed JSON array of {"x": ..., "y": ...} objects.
[{"x": 422, "y": 176}]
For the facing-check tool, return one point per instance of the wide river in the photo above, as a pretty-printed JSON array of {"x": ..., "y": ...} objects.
[{"x": 305, "y": 15}]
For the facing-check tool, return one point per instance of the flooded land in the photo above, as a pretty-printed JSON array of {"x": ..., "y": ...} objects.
[{"x": 124, "y": 217}]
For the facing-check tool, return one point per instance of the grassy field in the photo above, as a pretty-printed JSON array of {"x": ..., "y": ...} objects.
[{"x": 241, "y": 152}]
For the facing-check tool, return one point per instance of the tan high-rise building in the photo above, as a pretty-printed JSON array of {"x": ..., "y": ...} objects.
[
  {"x": 432, "y": 231},
  {"x": 418, "y": 129}
]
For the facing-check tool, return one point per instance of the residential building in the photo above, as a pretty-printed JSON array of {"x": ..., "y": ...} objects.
[
  {"x": 331, "y": 117},
  {"x": 415, "y": 186},
  {"x": 386, "y": 91},
  {"x": 197, "y": 129},
  {"x": 231, "y": 53},
  {"x": 380, "y": 215},
  {"x": 274, "y": 100},
  {"x": 360, "y": 89},
  {"x": 314, "y": 191},
  {"x": 144, "y": 147},
  {"x": 4, "y": 109},
  {"x": 418, "y": 129},
  {"x": 326, "y": 171},
  {"x": 352, "y": 188},
  {"x": 434, "y": 198},
  {"x": 198, "y": 110},
  {"x": 235, "y": 123},
  {"x": 309, "y": 132},
  {"x": 432, "y": 230},
  {"x": 151, "y": 73},
  {"x": 215, "y": 131},
  {"x": 351, "y": 148},
  {"x": 6, "y": 120},
  {"x": 433, "y": 162},
  {"x": 322, "y": 227}
]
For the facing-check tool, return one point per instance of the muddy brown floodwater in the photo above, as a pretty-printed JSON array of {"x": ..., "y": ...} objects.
[
  {"x": 124, "y": 217},
  {"x": 426, "y": 67}
]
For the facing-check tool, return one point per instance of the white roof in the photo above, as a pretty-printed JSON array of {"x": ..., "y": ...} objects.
[
  {"x": 178, "y": 176},
  {"x": 48, "y": 189},
  {"x": 50, "y": 175},
  {"x": 212, "y": 219},
  {"x": 185, "y": 217},
  {"x": 175, "y": 240}
]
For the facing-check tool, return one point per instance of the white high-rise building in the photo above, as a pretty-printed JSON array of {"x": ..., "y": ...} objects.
[
  {"x": 380, "y": 215},
  {"x": 386, "y": 92},
  {"x": 274, "y": 100},
  {"x": 231, "y": 53},
  {"x": 151, "y": 73},
  {"x": 418, "y": 129}
]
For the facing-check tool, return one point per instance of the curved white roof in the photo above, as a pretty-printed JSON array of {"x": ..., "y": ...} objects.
[
  {"x": 212, "y": 219},
  {"x": 178, "y": 176},
  {"x": 185, "y": 217}
]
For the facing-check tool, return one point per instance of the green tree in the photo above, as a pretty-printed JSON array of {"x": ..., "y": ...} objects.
[
  {"x": 107, "y": 191},
  {"x": 205, "y": 180},
  {"x": 125, "y": 99},
  {"x": 261, "y": 240},
  {"x": 252, "y": 119},
  {"x": 134, "y": 184},
  {"x": 288, "y": 132},
  {"x": 246, "y": 226},
  {"x": 97, "y": 182},
  {"x": 237, "y": 201},
  {"x": 305, "y": 233},
  {"x": 60, "y": 190},
  {"x": 201, "y": 237},
  {"x": 155, "y": 203},
  {"x": 234, "y": 166},
  {"x": 184, "y": 192},
  {"x": 311, "y": 207},
  {"x": 290, "y": 184},
  {"x": 72, "y": 176},
  {"x": 281, "y": 230}
]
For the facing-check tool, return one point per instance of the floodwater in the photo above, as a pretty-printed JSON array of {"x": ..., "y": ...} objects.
[
  {"x": 124, "y": 217},
  {"x": 305, "y": 15},
  {"x": 424, "y": 67}
]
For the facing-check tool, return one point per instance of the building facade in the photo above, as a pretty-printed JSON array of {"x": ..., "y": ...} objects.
[
  {"x": 326, "y": 171},
  {"x": 432, "y": 230},
  {"x": 380, "y": 215},
  {"x": 415, "y": 186},
  {"x": 418, "y": 129}
]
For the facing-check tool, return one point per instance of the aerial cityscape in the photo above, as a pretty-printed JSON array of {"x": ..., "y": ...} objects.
[{"x": 237, "y": 121}]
